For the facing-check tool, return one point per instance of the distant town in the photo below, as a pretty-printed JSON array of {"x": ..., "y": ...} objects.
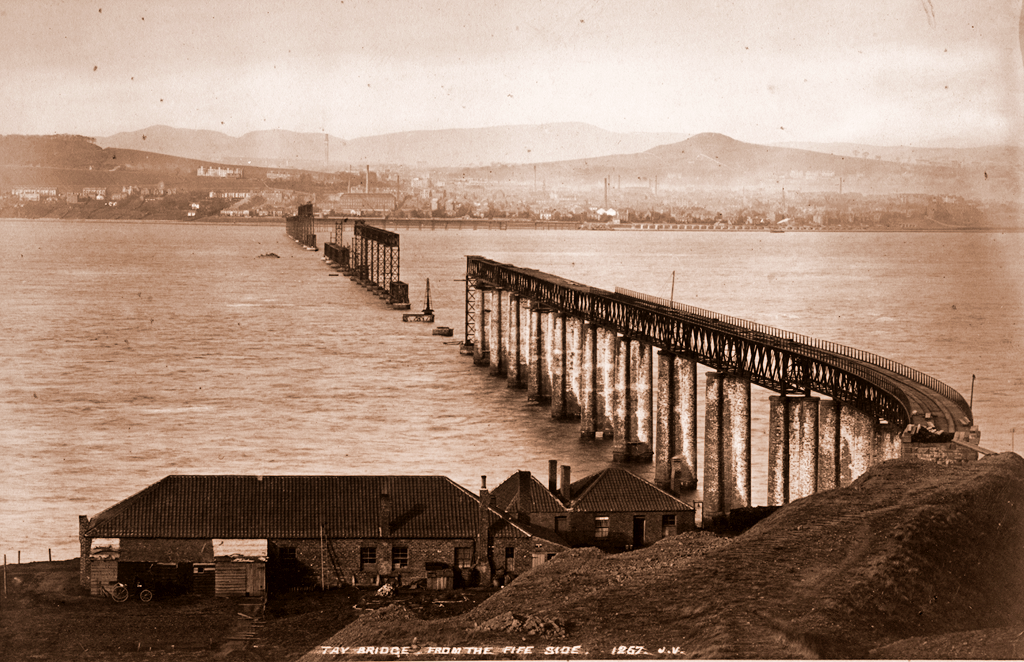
[{"x": 70, "y": 177}]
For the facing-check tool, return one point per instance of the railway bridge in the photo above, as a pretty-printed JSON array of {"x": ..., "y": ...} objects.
[{"x": 589, "y": 354}]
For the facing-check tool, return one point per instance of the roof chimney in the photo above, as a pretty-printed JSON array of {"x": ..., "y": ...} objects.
[
  {"x": 553, "y": 476},
  {"x": 385, "y": 514},
  {"x": 566, "y": 492},
  {"x": 525, "y": 495}
]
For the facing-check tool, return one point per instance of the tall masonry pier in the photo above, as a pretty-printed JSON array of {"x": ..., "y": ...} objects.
[{"x": 624, "y": 365}]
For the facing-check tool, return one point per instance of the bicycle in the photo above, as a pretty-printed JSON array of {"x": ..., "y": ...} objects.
[{"x": 118, "y": 592}]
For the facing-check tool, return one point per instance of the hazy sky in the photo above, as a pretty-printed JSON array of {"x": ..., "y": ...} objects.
[{"x": 888, "y": 72}]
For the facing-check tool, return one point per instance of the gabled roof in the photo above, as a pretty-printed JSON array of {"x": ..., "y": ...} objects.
[
  {"x": 506, "y": 497},
  {"x": 508, "y": 528},
  {"x": 615, "y": 490},
  {"x": 293, "y": 507}
]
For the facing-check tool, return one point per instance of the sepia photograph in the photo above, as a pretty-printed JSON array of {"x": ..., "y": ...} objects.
[{"x": 511, "y": 330}]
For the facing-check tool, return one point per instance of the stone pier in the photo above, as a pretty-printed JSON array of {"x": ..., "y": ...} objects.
[
  {"x": 533, "y": 362},
  {"x": 495, "y": 331},
  {"x": 513, "y": 346},
  {"x": 588, "y": 381},
  {"x": 726, "y": 443},
  {"x": 480, "y": 340},
  {"x": 559, "y": 405},
  {"x": 607, "y": 345},
  {"x": 676, "y": 435},
  {"x": 641, "y": 396},
  {"x": 829, "y": 453},
  {"x": 573, "y": 364},
  {"x": 856, "y": 443},
  {"x": 621, "y": 400}
]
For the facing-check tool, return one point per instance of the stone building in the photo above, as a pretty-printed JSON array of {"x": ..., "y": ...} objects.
[
  {"x": 612, "y": 509},
  {"x": 312, "y": 531}
]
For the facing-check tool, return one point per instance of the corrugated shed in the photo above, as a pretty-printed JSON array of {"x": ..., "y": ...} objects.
[
  {"x": 615, "y": 490},
  {"x": 506, "y": 497},
  {"x": 292, "y": 507}
]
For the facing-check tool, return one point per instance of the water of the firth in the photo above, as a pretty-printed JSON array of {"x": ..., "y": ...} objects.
[{"x": 130, "y": 351}]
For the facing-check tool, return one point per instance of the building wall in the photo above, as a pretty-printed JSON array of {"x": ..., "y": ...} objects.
[
  {"x": 166, "y": 550},
  {"x": 620, "y": 528},
  {"x": 341, "y": 559},
  {"x": 939, "y": 453},
  {"x": 523, "y": 550}
]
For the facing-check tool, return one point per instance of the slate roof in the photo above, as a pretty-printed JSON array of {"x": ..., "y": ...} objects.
[
  {"x": 293, "y": 507},
  {"x": 615, "y": 490},
  {"x": 506, "y": 496}
]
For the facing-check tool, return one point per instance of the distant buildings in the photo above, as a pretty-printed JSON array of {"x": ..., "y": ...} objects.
[{"x": 219, "y": 171}]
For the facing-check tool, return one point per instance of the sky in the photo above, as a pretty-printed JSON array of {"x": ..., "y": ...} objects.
[{"x": 881, "y": 72}]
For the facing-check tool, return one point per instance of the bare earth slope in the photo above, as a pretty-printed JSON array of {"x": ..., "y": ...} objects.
[{"x": 910, "y": 557}]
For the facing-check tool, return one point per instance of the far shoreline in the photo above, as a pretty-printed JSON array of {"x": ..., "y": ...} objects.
[{"x": 477, "y": 223}]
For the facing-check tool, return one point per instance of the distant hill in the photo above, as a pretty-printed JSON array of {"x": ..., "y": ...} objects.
[
  {"x": 429, "y": 149},
  {"x": 712, "y": 159},
  {"x": 502, "y": 144},
  {"x": 1006, "y": 155}
]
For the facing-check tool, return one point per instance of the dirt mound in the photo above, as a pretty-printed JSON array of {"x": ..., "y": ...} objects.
[{"x": 911, "y": 549}]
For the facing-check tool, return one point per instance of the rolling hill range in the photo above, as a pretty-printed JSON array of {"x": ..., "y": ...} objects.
[
  {"x": 431, "y": 149},
  {"x": 711, "y": 159}
]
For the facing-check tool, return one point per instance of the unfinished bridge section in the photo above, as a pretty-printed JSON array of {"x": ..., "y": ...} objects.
[
  {"x": 589, "y": 353},
  {"x": 373, "y": 259}
]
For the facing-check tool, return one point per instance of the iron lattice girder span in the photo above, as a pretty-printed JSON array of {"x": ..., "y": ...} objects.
[
  {"x": 774, "y": 359},
  {"x": 376, "y": 255}
]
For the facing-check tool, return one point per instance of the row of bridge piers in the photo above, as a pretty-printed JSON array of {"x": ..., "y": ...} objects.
[{"x": 646, "y": 402}]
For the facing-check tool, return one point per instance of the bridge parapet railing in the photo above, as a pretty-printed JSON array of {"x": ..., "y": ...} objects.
[{"x": 834, "y": 348}]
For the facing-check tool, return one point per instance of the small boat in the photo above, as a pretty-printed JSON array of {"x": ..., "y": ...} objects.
[
  {"x": 426, "y": 316},
  {"x": 443, "y": 331}
]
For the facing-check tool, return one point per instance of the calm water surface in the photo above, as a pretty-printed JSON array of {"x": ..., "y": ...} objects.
[{"x": 130, "y": 351}]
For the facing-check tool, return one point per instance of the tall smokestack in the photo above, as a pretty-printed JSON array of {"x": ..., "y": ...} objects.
[
  {"x": 553, "y": 476},
  {"x": 367, "y": 179},
  {"x": 566, "y": 492}
]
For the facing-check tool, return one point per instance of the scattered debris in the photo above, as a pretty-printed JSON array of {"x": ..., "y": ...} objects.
[{"x": 533, "y": 625}]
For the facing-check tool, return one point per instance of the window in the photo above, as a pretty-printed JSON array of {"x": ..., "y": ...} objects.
[
  {"x": 367, "y": 557},
  {"x": 510, "y": 559},
  {"x": 400, "y": 557},
  {"x": 601, "y": 525},
  {"x": 286, "y": 553},
  {"x": 561, "y": 522},
  {"x": 668, "y": 525},
  {"x": 463, "y": 557}
]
